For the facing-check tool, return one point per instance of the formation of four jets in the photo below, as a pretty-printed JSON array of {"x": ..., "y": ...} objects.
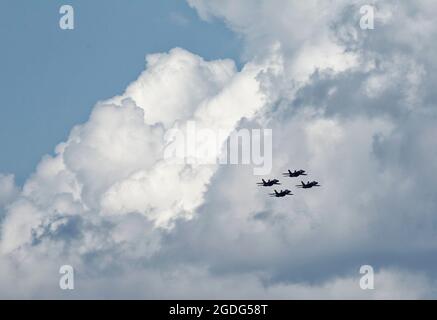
[{"x": 287, "y": 192}]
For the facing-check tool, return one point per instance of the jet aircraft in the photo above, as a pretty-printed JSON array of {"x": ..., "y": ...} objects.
[
  {"x": 308, "y": 185},
  {"x": 268, "y": 183},
  {"x": 294, "y": 174},
  {"x": 281, "y": 193}
]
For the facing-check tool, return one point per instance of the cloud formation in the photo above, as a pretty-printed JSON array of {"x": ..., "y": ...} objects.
[{"x": 355, "y": 108}]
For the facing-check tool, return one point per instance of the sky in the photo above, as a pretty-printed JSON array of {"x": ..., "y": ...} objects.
[
  {"x": 47, "y": 72},
  {"x": 86, "y": 180}
]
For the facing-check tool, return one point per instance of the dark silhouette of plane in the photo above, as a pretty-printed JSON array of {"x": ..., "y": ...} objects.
[
  {"x": 308, "y": 185},
  {"x": 294, "y": 174},
  {"x": 281, "y": 193},
  {"x": 268, "y": 183}
]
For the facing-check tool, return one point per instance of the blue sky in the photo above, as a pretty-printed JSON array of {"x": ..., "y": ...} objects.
[{"x": 50, "y": 78}]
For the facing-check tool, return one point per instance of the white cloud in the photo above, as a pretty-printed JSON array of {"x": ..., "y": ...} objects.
[
  {"x": 354, "y": 108},
  {"x": 8, "y": 189}
]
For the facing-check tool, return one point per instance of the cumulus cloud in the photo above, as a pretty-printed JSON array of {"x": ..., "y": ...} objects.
[
  {"x": 355, "y": 108},
  {"x": 8, "y": 189}
]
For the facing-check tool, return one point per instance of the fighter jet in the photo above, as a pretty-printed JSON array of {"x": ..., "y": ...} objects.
[
  {"x": 294, "y": 174},
  {"x": 268, "y": 183},
  {"x": 281, "y": 193},
  {"x": 308, "y": 185}
]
